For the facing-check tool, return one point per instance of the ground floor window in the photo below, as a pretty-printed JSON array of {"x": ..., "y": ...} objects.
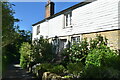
[{"x": 75, "y": 39}]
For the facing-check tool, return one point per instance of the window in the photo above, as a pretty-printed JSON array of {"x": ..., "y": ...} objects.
[
  {"x": 68, "y": 19},
  {"x": 38, "y": 29},
  {"x": 75, "y": 39}
]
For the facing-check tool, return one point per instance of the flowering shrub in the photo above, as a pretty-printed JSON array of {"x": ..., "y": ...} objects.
[
  {"x": 77, "y": 52},
  {"x": 99, "y": 60}
]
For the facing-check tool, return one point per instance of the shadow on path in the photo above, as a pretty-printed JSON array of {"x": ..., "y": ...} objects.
[{"x": 15, "y": 72}]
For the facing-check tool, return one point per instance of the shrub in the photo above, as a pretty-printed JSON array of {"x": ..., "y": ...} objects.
[
  {"x": 58, "y": 69},
  {"x": 75, "y": 68},
  {"x": 101, "y": 62},
  {"x": 76, "y": 53},
  {"x": 101, "y": 72},
  {"x": 42, "y": 50},
  {"x": 96, "y": 42},
  {"x": 97, "y": 57},
  {"x": 47, "y": 66},
  {"x": 101, "y": 56},
  {"x": 66, "y": 58},
  {"x": 23, "y": 62},
  {"x": 25, "y": 54}
]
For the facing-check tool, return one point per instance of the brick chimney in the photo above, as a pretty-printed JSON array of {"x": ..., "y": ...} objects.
[{"x": 49, "y": 9}]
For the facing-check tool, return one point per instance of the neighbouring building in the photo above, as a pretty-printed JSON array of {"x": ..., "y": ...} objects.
[{"x": 85, "y": 19}]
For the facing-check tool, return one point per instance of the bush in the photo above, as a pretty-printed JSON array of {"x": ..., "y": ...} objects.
[
  {"x": 25, "y": 54},
  {"x": 58, "y": 69},
  {"x": 47, "y": 66},
  {"x": 101, "y": 62},
  {"x": 101, "y": 56},
  {"x": 96, "y": 56},
  {"x": 101, "y": 72},
  {"x": 76, "y": 53},
  {"x": 42, "y": 50},
  {"x": 23, "y": 62},
  {"x": 75, "y": 68}
]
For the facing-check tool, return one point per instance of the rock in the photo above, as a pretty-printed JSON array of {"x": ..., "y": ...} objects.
[
  {"x": 50, "y": 76},
  {"x": 45, "y": 75}
]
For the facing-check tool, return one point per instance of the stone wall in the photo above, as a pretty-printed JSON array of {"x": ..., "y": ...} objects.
[{"x": 112, "y": 36}]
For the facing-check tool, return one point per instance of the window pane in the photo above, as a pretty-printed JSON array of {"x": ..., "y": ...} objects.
[
  {"x": 38, "y": 30},
  {"x": 70, "y": 18},
  {"x": 67, "y": 20}
]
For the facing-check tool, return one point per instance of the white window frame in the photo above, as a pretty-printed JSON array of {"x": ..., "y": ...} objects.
[
  {"x": 68, "y": 19},
  {"x": 76, "y": 39},
  {"x": 38, "y": 30}
]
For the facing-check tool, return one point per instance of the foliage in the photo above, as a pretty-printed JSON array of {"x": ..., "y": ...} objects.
[
  {"x": 76, "y": 53},
  {"x": 99, "y": 61},
  {"x": 45, "y": 66},
  {"x": 11, "y": 38},
  {"x": 65, "y": 55},
  {"x": 100, "y": 56},
  {"x": 101, "y": 72},
  {"x": 8, "y": 29},
  {"x": 75, "y": 68},
  {"x": 96, "y": 57},
  {"x": 58, "y": 69},
  {"x": 67, "y": 76},
  {"x": 23, "y": 62},
  {"x": 8, "y": 33},
  {"x": 102, "y": 64},
  {"x": 42, "y": 50},
  {"x": 26, "y": 53},
  {"x": 96, "y": 42}
]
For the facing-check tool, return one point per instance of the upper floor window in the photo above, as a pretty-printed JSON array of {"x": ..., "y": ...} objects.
[
  {"x": 68, "y": 19},
  {"x": 38, "y": 29}
]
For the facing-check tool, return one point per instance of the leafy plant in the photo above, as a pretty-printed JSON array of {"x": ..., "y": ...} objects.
[
  {"x": 23, "y": 62},
  {"x": 47, "y": 66},
  {"x": 58, "y": 69},
  {"x": 42, "y": 50},
  {"x": 26, "y": 52},
  {"x": 101, "y": 62},
  {"x": 75, "y": 68},
  {"x": 100, "y": 56},
  {"x": 96, "y": 56},
  {"x": 77, "y": 52}
]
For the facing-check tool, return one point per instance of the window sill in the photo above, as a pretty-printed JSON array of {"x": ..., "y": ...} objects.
[{"x": 70, "y": 26}]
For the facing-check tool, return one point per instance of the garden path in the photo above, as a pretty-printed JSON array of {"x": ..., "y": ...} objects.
[{"x": 15, "y": 72}]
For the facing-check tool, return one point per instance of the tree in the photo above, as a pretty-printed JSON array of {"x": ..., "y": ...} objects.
[
  {"x": 9, "y": 34},
  {"x": 8, "y": 29},
  {"x": 12, "y": 37}
]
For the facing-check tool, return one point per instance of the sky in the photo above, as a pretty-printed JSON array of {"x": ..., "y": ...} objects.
[{"x": 32, "y": 12}]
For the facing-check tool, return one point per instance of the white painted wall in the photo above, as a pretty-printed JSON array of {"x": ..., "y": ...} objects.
[{"x": 99, "y": 15}]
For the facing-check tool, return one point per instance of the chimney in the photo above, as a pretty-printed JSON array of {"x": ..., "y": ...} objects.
[{"x": 49, "y": 9}]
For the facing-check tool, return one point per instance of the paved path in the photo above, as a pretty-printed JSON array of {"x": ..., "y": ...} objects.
[{"x": 15, "y": 72}]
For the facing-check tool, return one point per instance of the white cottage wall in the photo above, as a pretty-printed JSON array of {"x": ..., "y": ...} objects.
[{"x": 97, "y": 16}]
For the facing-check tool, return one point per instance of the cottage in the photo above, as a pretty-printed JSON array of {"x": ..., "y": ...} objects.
[{"x": 85, "y": 19}]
